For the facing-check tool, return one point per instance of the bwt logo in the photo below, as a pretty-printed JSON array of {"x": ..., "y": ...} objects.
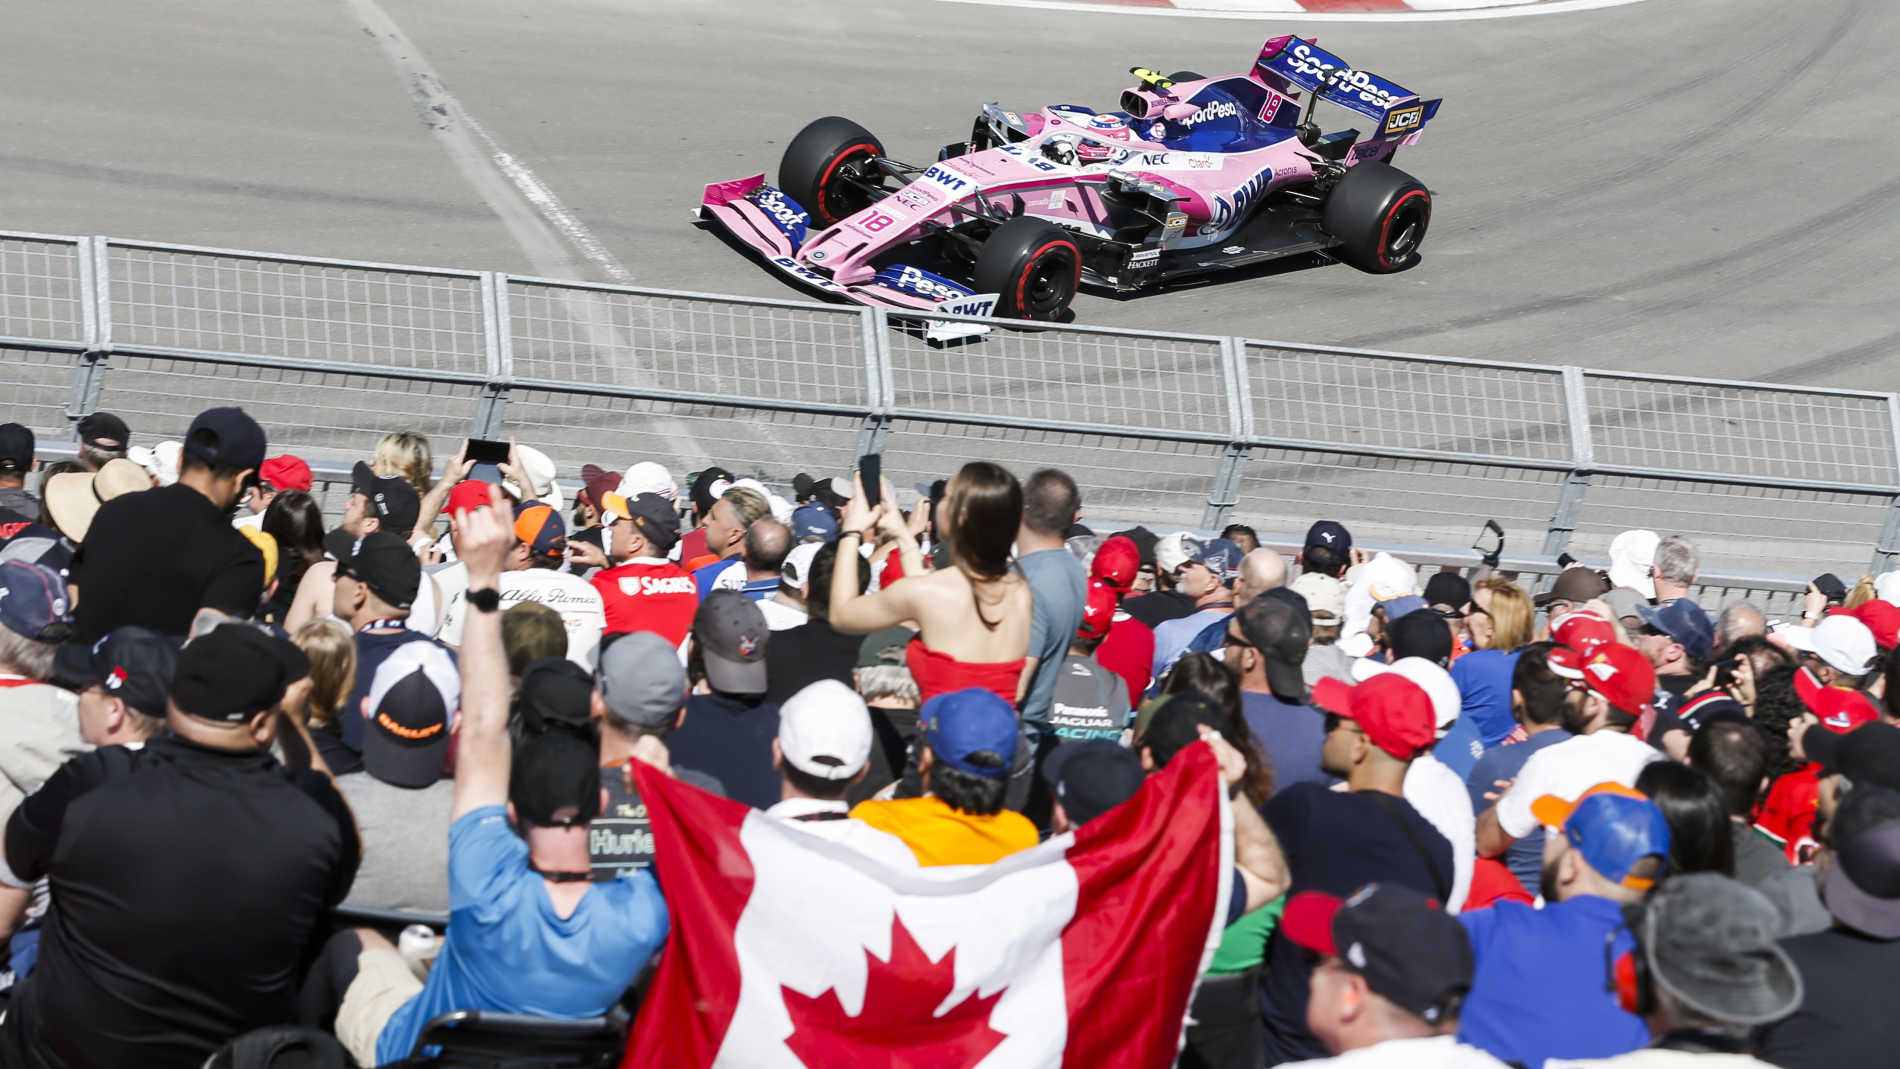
[
  {"x": 1226, "y": 214},
  {"x": 946, "y": 179}
]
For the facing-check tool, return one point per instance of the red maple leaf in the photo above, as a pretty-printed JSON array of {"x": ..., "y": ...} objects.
[{"x": 898, "y": 1026}]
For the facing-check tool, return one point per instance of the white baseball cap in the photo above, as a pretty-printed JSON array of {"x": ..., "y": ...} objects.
[
  {"x": 1171, "y": 551},
  {"x": 796, "y": 571},
  {"x": 1437, "y": 684},
  {"x": 1387, "y": 577},
  {"x": 648, "y": 477},
  {"x": 1842, "y": 641},
  {"x": 1631, "y": 555},
  {"x": 540, "y": 472},
  {"x": 1325, "y": 597},
  {"x": 1887, "y": 587},
  {"x": 825, "y": 731}
]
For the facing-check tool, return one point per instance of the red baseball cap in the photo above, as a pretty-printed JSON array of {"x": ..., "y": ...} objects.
[
  {"x": 1841, "y": 710},
  {"x": 1116, "y": 562},
  {"x": 1881, "y": 617},
  {"x": 596, "y": 483},
  {"x": 1583, "y": 631},
  {"x": 286, "y": 473},
  {"x": 1622, "y": 676},
  {"x": 1394, "y": 712},
  {"x": 468, "y": 495},
  {"x": 1098, "y": 610}
]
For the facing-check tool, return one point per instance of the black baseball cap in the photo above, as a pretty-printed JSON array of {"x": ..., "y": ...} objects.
[
  {"x": 391, "y": 499},
  {"x": 16, "y": 448},
  {"x": 105, "y": 430},
  {"x": 1328, "y": 545},
  {"x": 554, "y": 692},
  {"x": 1420, "y": 634},
  {"x": 227, "y": 436},
  {"x": 1862, "y": 885},
  {"x": 384, "y": 562},
  {"x": 413, "y": 695},
  {"x": 701, "y": 493},
  {"x": 235, "y": 671},
  {"x": 1173, "y": 723},
  {"x": 133, "y": 664},
  {"x": 650, "y": 514},
  {"x": 1145, "y": 542},
  {"x": 1869, "y": 754},
  {"x": 1407, "y": 947},
  {"x": 731, "y": 634},
  {"x": 1279, "y": 626},
  {"x": 1447, "y": 588},
  {"x": 555, "y": 779},
  {"x": 1092, "y": 777}
]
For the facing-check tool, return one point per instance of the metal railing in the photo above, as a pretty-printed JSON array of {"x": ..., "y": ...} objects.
[{"x": 1159, "y": 428}]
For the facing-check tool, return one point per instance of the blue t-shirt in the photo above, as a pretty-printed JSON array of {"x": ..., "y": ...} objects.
[
  {"x": 1541, "y": 991},
  {"x": 1291, "y": 736},
  {"x": 1058, "y": 587},
  {"x": 703, "y": 577},
  {"x": 1173, "y": 638},
  {"x": 1461, "y": 746},
  {"x": 508, "y": 951},
  {"x": 1484, "y": 681},
  {"x": 1525, "y": 858}
]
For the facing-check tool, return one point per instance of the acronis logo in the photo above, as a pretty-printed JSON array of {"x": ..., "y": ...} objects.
[{"x": 1228, "y": 213}]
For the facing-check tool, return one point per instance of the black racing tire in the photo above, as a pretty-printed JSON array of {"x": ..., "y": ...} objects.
[
  {"x": 1379, "y": 214},
  {"x": 1185, "y": 76},
  {"x": 1033, "y": 266},
  {"x": 823, "y": 151}
]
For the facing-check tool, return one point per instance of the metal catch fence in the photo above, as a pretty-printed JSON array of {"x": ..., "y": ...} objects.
[{"x": 1165, "y": 429}]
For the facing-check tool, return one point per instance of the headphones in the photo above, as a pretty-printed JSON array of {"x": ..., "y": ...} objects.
[{"x": 1626, "y": 975}]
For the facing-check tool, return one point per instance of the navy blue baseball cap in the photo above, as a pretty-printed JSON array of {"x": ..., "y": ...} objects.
[
  {"x": 133, "y": 664},
  {"x": 813, "y": 522},
  {"x": 1684, "y": 622},
  {"x": 1330, "y": 536},
  {"x": 1219, "y": 556},
  {"x": 1091, "y": 777},
  {"x": 227, "y": 436},
  {"x": 33, "y": 602},
  {"x": 964, "y": 722}
]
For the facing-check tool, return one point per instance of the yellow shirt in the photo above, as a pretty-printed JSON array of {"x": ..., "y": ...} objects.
[{"x": 940, "y": 835}]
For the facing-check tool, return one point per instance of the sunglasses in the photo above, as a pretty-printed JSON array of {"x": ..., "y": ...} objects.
[{"x": 1228, "y": 638}]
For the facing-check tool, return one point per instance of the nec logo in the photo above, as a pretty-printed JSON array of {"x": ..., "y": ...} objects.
[{"x": 1404, "y": 119}]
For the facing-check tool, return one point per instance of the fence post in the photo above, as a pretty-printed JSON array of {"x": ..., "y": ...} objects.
[
  {"x": 1224, "y": 493},
  {"x": 879, "y": 383},
  {"x": 95, "y": 315},
  {"x": 1889, "y": 544},
  {"x": 1563, "y": 520},
  {"x": 491, "y": 405}
]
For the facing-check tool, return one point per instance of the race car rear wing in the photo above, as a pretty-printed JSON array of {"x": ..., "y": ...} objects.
[{"x": 1289, "y": 63}]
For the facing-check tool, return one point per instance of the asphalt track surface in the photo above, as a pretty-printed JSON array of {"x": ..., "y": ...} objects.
[{"x": 1692, "y": 186}]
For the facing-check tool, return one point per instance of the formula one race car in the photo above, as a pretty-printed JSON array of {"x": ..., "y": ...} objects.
[{"x": 1193, "y": 175}]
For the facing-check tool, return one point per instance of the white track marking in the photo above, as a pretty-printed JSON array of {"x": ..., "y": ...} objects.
[
  {"x": 534, "y": 216},
  {"x": 1516, "y": 8}
]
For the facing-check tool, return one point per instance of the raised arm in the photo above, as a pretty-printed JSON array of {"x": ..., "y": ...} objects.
[
  {"x": 482, "y": 751},
  {"x": 860, "y": 614}
]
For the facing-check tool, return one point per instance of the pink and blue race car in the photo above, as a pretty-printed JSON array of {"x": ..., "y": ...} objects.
[{"x": 1192, "y": 176}]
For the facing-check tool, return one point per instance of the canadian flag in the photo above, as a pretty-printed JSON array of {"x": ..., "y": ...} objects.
[{"x": 788, "y": 950}]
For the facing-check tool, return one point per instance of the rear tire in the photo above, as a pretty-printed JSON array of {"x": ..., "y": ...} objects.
[
  {"x": 818, "y": 163},
  {"x": 1379, "y": 214},
  {"x": 1033, "y": 266}
]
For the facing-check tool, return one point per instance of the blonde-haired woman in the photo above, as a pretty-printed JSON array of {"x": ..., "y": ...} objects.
[{"x": 1499, "y": 617}]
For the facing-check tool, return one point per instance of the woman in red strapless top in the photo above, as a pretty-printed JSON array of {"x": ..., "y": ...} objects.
[{"x": 973, "y": 618}]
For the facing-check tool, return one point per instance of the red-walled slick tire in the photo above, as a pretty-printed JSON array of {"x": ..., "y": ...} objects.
[{"x": 1033, "y": 266}]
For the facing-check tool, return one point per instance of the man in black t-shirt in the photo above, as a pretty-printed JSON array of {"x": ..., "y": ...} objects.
[
  {"x": 1337, "y": 842},
  {"x": 189, "y": 876},
  {"x": 156, "y": 558},
  {"x": 800, "y": 656},
  {"x": 729, "y": 724}
]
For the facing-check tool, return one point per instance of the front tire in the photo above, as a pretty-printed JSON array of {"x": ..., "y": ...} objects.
[
  {"x": 1379, "y": 214},
  {"x": 820, "y": 164},
  {"x": 1034, "y": 267}
]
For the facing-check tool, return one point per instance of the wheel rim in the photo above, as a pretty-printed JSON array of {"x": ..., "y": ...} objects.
[
  {"x": 836, "y": 197},
  {"x": 1048, "y": 285},
  {"x": 1404, "y": 230}
]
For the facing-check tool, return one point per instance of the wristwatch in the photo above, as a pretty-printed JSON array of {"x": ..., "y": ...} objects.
[{"x": 485, "y": 600}]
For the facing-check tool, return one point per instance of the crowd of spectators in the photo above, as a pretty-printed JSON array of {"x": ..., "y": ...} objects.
[{"x": 1601, "y": 824}]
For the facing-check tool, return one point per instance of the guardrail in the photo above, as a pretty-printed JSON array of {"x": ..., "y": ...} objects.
[{"x": 1165, "y": 429}]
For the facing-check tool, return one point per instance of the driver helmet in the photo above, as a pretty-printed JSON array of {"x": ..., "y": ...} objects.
[{"x": 1111, "y": 127}]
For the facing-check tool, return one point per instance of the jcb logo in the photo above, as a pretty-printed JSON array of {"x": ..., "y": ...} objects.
[{"x": 1404, "y": 119}]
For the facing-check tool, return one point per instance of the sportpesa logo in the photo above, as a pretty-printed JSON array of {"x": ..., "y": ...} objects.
[{"x": 1224, "y": 109}]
